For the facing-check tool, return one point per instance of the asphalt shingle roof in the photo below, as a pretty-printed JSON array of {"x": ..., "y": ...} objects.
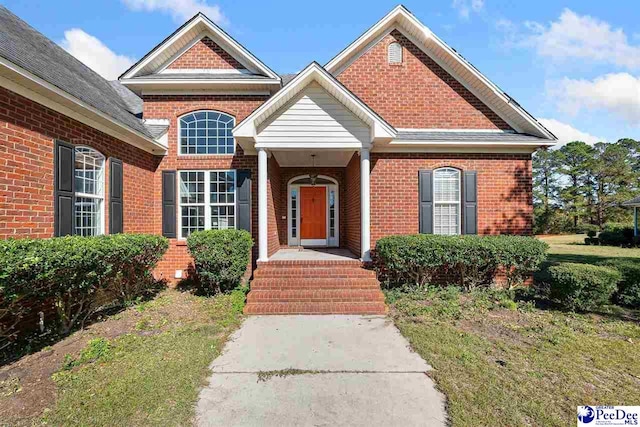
[
  {"x": 29, "y": 49},
  {"x": 634, "y": 201},
  {"x": 468, "y": 136}
]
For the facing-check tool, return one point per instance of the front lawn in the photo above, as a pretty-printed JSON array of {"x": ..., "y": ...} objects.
[
  {"x": 144, "y": 366},
  {"x": 506, "y": 363}
]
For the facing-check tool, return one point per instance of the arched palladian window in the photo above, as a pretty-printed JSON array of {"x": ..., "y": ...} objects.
[
  {"x": 394, "y": 53},
  {"x": 89, "y": 192},
  {"x": 206, "y": 132},
  {"x": 446, "y": 201}
]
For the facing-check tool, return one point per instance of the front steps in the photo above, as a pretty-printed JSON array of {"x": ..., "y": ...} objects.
[{"x": 314, "y": 287}]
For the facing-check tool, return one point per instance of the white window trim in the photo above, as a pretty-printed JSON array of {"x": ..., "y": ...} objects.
[
  {"x": 448, "y": 202},
  {"x": 207, "y": 205},
  {"x": 179, "y": 135},
  {"x": 100, "y": 196}
]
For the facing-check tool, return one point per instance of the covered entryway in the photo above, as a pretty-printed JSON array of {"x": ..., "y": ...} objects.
[{"x": 312, "y": 122}]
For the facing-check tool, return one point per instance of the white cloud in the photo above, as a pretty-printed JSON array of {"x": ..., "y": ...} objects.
[
  {"x": 567, "y": 133},
  {"x": 584, "y": 37},
  {"x": 95, "y": 54},
  {"x": 465, "y": 7},
  {"x": 617, "y": 93},
  {"x": 180, "y": 10}
]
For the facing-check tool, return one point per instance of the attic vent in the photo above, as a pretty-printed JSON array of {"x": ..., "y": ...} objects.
[{"x": 394, "y": 53}]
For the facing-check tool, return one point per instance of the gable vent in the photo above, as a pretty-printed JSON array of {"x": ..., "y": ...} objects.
[{"x": 394, "y": 53}]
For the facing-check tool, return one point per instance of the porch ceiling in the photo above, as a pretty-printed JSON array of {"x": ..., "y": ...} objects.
[{"x": 302, "y": 158}]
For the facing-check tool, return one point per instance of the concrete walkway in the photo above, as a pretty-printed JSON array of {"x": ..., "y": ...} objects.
[{"x": 317, "y": 371}]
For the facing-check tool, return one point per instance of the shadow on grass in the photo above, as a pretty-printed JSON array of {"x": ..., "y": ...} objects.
[{"x": 35, "y": 341}]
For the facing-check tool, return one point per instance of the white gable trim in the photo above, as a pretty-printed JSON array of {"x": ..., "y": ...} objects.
[
  {"x": 380, "y": 129},
  {"x": 452, "y": 62},
  {"x": 158, "y": 57}
]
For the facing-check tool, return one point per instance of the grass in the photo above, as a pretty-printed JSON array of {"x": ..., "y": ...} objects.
[
  {"x": 150, "y": 378},
  {"x": 502, "y": 363},
  {"x": 571, "y": 248},
  {"x": 507, "y": 363}
]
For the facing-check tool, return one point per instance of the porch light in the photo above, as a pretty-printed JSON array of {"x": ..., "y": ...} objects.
[{"x": 313, "y": 177}]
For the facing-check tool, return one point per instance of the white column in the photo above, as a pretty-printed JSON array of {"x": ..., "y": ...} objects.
[
  {"x": 262, "y": 206},
  {"x": 365, "y": 201}
]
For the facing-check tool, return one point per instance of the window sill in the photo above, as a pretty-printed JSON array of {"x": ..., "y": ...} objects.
[{"x": 204, "y": 156}]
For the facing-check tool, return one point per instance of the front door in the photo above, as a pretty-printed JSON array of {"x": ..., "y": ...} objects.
[{"x": 313, "y": 216}]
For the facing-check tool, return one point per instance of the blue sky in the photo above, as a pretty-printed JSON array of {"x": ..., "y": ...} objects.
[{"x": 573, "y": 64}]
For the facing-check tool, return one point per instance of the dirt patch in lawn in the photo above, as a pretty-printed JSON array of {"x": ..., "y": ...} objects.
[{"x": 26, "y": 387}]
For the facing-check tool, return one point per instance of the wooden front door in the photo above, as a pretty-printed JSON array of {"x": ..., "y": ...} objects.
[{"x": 313, "y": 213}]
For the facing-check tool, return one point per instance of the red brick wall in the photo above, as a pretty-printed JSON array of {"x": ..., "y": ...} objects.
[
  {"x": 417, "y": 93},
  {"x": 274, "y": 205},
  {"x": 287, "y": 174},
  {"x": 205, "y": 54},
  {"x": 352, "y": 203},
  {"x": 27, "y": 131},
  {"x": 173, "y": 106},
  {"x": 504, "y": 191}
]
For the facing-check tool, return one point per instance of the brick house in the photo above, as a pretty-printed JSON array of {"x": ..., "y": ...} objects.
[{"x": 396, "y": 134}]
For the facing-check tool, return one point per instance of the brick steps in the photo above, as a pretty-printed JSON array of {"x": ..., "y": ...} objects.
[
  {"x": 314, "y": 287},
  {"x": 315, "y": 308}
]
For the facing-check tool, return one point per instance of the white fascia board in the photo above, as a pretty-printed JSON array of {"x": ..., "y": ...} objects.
[
  {"x": 341, "y": 146},
  {"x": 217, "y": 32},
  {"x": 157, "y": 121},
  {"x": 313, "y": 72},
  {"x": 26, "y": 84},
  {"x": 212, "y": 81}
]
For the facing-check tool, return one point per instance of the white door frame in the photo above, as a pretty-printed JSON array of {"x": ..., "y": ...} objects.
[{"x": 329, "y": 241}]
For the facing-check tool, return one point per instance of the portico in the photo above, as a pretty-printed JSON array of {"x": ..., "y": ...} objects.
[{"x": 313, "y": 124}]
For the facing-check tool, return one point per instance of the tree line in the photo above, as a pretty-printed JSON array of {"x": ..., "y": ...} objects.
[{"x": 579, "y": 184}]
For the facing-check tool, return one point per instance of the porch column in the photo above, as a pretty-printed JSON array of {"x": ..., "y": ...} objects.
[
  {"x": 262, "y": 205},
  {"x": 365, "y": 212}
]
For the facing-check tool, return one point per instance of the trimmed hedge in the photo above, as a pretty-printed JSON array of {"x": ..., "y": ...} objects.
[
  {"x": 582, "y": 286},
  {"x": 469, "y": 261},
  {"x": 617, "y": 234},
  {"x": 220, "y": 257},
  {"x": 628, "y": 292},
  {"x": 79, "y": 275}
]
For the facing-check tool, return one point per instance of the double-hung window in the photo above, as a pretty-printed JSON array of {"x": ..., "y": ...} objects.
[
  {"x": 206, "y": 132},
  {"x": 89, "y": 192},
  {"x": 446, "y": 201},
  {"x": 207, "y": 200}
]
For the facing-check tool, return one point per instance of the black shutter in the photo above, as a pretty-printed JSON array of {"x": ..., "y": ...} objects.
[
  {"x": 425, "y": 190},
  {"x": 64, "y": 159},
  {"x": 169, "y": 204},
  {"x": 115, "y": 196},
  {"x": 470, "y": 205},
  {"x": 243, "y": 200}
]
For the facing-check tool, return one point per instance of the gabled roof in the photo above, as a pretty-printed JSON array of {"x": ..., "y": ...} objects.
[
  {"x": 314, "y": 72},
  {"x": 633, "y": 202},
  {"x": 25, "y": 53},
  {"x": 451, "y": 61},
  {"x": 196, "y": 28}
]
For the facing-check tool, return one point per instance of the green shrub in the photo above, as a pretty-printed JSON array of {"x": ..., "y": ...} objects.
[
  {"x": 77, "y": 274},
  {"x": 628, "y": 292},
  {"x": 591, "y": 241},
  {"x": 582, "y": 286},
  {"x": 220, "y": 257},
  {"x": 470, "y": 261},
  {"x": 617, "y": 234},
  {"x": 590, "y": 230}
]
